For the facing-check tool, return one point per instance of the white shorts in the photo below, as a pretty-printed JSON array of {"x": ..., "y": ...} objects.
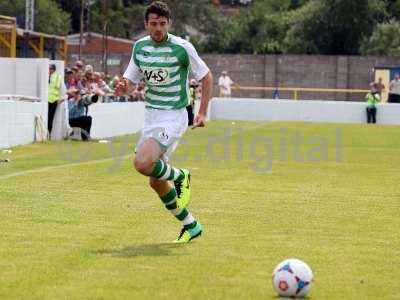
[{"x": 166, "y": 127}]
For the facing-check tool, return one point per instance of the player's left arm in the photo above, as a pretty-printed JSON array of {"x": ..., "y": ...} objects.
[
  {"x": 206, "y": 88},
  {"x": 203, "y": 74}
]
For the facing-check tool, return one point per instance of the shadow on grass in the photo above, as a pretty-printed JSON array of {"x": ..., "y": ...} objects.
[{"x": 164, "y": 249}]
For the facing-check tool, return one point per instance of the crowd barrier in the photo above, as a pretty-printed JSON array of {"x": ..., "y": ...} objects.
[{"x": 300, "y": 110}]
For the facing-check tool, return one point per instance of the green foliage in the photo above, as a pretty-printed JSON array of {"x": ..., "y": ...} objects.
[
  {"x": 393, "y": 9},
  {"x": 385, "y": 40},
  {"x": 14, "y": 8},
  {"x": 73, "y": 7},
  {"x": 49, "y": 17},
  {"x": 116, "y": 18},
  {"x": 200, "y": 20},
  {"x": 265, "y": 26},
  {"x": 258, "y": 29},
  {"x": 331, "y": 26}
]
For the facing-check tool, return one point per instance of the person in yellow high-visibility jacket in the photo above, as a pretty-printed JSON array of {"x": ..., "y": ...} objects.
[{"x": 55, "y": 81}]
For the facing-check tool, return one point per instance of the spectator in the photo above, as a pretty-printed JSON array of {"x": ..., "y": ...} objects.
[
  {"x": 86, "y": 80},
  {"x": 379, "y": 87},
  {"x": 76, "y": 73},
  {"x": 83, "y": 85},
  {"x": 225, "y": 83},
  {"x": 55, "y": 82},
  {"x": 372, "y": 99},
  {"x": 88, "y": 69},
  {"x": 77, "y": 107},
  {"x": 394, "y": 90},
  {"x": 99, "y": 84},
  {"x": 70, "y": 80},
  {"x": 79, "y": 65}
]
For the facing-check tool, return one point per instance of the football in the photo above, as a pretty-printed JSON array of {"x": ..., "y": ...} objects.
[{"x": 292, "y": 278}]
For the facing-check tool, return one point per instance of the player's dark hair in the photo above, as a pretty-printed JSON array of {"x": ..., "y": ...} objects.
[{"x": 159, "y": 8}]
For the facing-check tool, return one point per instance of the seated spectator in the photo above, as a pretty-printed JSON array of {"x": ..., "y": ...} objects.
[
  {"x": 99, "y": 84},
  {"x": 77, "y": 108},
  {"x": 79, "y": 64},
  {"x": 77, "y": 74},
  {"x": 88, "y": 69},
  {"x": 69, "y": 79},
  {"x": 79, "y": 68},
  {"x": 83, "y": 86},
  {"x": 86, "y": 81}
]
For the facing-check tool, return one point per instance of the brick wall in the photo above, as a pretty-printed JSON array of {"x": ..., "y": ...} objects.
[
  {"x": 309, "y": 71},
  {"x": 94, "y": 45}
]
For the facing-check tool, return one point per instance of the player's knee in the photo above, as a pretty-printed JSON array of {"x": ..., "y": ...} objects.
[{"x": 143, "y": 166}]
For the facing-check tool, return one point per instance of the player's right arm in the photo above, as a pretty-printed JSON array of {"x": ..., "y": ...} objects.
[
  {"x": 131, "y": 77},
  {"x": 124, "y": 87}
]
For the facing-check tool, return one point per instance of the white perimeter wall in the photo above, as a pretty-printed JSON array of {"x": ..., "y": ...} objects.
[
  {"x": 17, "y": 122},
  {"x": 30, "y": 77},
  {"x": 109, "y": 119},
  {"x": 118, "y": 118},
  {"x": 27, "y": 77},
  {"x": 301, "y": 110},
  {"x": 24, "y": 76}
]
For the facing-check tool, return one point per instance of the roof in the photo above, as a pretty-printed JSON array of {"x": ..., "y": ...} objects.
[
  {"x": 21, "y": 32},
  {"x": 73, "y": 39}
]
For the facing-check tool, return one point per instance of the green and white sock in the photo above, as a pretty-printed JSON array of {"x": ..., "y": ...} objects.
[
  {"x": 164, "y": 171},
  {"x": 182, "y": 215}
]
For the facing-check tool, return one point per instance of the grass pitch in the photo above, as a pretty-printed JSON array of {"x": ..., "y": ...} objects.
[{"x": 77, "y": 222}]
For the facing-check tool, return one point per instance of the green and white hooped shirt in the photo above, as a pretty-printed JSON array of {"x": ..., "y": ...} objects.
[{"x": 165, "y": 69}]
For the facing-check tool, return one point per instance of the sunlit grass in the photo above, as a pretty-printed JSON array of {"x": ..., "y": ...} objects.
[{"x": 77, "y": 222}]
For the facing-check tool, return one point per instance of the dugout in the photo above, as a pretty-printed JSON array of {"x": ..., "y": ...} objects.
[
  {"x": 16, "y": 42},
  {"x": 387, "y": 73}
]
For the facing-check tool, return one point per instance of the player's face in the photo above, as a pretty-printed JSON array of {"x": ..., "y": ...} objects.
[{"x": 157, "y": 27}]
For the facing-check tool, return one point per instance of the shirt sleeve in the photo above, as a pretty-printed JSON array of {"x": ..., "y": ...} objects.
[
  {"x": 133, "y": 72},
  {"x": 197, "y": 66}
]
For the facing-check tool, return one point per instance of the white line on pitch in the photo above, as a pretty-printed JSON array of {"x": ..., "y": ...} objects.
[{"x": 45, "y": 169}]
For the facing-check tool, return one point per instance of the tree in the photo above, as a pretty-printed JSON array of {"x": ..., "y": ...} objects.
[
  {"x": 14, "y": 8},
  {"x": 332, "y": 26},
  {"x": 117, "y": 20},
  {"x": 49, "y": 17},
  {"x": 260, "y": 28},
  {"x": 393, "y": 9},
  {"x": 73, "y": 7},
  {"x": 385, "y": 40}
]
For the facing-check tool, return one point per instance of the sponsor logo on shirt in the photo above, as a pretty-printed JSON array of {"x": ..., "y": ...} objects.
[{"x": 156, "y": 76}]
